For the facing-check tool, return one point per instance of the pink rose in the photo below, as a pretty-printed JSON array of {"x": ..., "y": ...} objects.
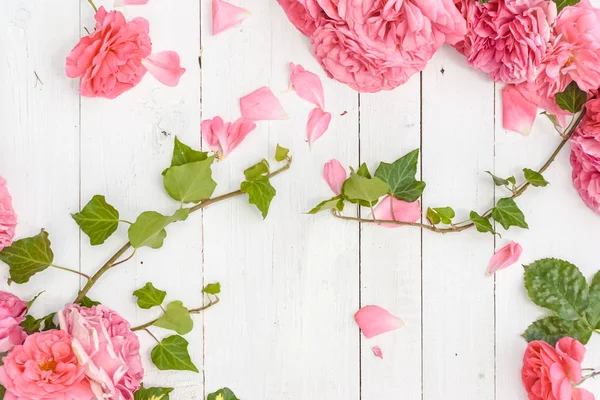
[
  {"x": 107, "y": 348},
  {"x": 44, "y": 368},
  {"x": 8, "y": 218},
  {"x": 12, "y": 312},
  {"x": 304, "y": 14},
  {"x": 548, "y": 373}
]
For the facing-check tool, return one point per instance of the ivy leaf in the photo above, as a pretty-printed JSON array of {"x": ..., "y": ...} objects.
[
  {"x": 149, "y": 296},
  {"x": 27, "y": 257},
  {"x": 558, "y": 286},
  {"x": 30, "y": 324},
  {"x": 184, "y": 154},
  {"x": 98, "y": 220},
  {"x": 335, "y": 202},
  {"x": 154, "y": 393},
  {"x": 535, "y": 178},
  {"x": 257, "y": 170},
  {"x": 433, "y": 217},
  {"x": 400, "y": 176},
  {"x": 176, "y": 318},
  {"x": 560, "y": 4},
  {"x": 363, "y": 171},
  {"x": 593, "y": 312},
  {"x": 2, "y": 391},
  {"x": 501, "y": 181},
  {"x": 172, "y": 354},
  {"x": 89, "y": 303},
  {"x": 47, "y": 322},
  {"x": 149, "y": 228},
  {"x": 508, "y": 214},
  {"x": 212, "y": 288},
  {"x": 359, "y": 188},
  {"x": 572, "y": 99},
  {"x": 481, "y": 224},
  {"x": 222, "y": 394},
  {"x": 281, "y": 153},
  {"x": 442, "y": 214},
  {"x": 552, "y": 329},
  {"x": 191, "y": 182},
  {"x": 260, "y": 193}
]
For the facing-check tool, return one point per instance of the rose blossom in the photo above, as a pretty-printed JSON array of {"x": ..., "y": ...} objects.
[
  {"x": 8, "y": 218},
  {"x": 106, "y": 346},
  {"x": 12, "y": 311},
  {"x": 44, "y": 368}
]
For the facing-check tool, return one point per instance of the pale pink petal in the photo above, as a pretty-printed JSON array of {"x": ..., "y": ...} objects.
[
  {"x": 226, "y": 15},
  {"x": 335, "y": 175},
  {"x": 214, "y": 133},
  {"x": 505, "y": 257},
  {"x": 165, "y": 67},
  {"x": 518, "y": 114},
  {"x": 119, "y": 3},
  {"x": 374, "y": 320},
  {"x": 307, "y": 85},
  {"x": 582, "y": 394},
  {"x": 377, "y": 351},
  {"x": 317, "y": 125},
  {"x": 392, "y": 209},
  {"x": 262, "y": 105},
  {"x": 237, "y": 132}
]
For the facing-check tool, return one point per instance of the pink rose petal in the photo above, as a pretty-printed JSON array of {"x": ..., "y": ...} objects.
[
  {"x": 119, "y": 3},
  {"x": 505, "y": 257},
  {"x": 223, "y": 138},
  {"x": 518, "y": 114},
  {"x": 377, "y": 351},
  {"x": 262, "y": 105},
  {"x": 165, "y": 67},
  {"x": 307, "y": 85},
  {"x": 335, "y": 175},
  {"x": 226, "y": 15},
  {"x": 582, "y": 394},
  {"x": 317, "y": 125},
  {"x": 398, "y": 210},
  {"x": 374, "y": 320}
]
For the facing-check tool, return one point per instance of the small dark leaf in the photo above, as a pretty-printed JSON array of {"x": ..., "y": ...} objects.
[
  {"x": 172, "y": 354},
  {"x": 30, "y": 324},
  {"x": 89, "y": 303},
  {"x": 481, "y": 224},
  {"x": 401, "y": 177},
  {"x": 572, "y": 99},
  {"x": 508, "y": 214},
  {"x": 535, "y": 178},
  {"x": 593, "y": 312},
  {"x": 501, "y": 181},
  {"x": 561, "y": 4},
  {"x": 27, "y": 257}
]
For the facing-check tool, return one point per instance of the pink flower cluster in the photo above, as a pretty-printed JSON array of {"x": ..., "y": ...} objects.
[
  {"x": 8, "y": 218},
  {"x": 375, "y": 45},
  {"x": 94, "y": 355}
]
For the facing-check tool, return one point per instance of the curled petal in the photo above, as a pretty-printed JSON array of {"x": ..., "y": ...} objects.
[
  {"x": 317, "y": 125},
  {"x": 518, "y": 114},
  {"x": 262, "y": 105},
  {"x": 392, "y": 209},
  {"x": 120, "y": 3},
  {"x": 377, "y": 351},
  {"x": 307, "y": 85},
  {"x": 335, "y": 175},
  {"x": 374, "y": 320},
  {"x": 505, "y": 257},
  {"x": 223, "y": 138},
  {"x": 226, "y": 15},
  {"x": 165, "y": 67}
]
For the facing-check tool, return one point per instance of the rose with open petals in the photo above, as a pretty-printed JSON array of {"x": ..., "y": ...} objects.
[
  {"x": 12, "y": 312},
  {"x": 8, "y": 218},
  {"x": 106, "y": 346},
  {"x": 44, "y": 367},
  {"x": 306, "y": 15}
]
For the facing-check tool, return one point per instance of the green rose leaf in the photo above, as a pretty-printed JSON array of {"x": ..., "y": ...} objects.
[
  {"x": 257, "y": 170},
  {"x": 508, "y": 214},
  {"x": 222, "y": 394},
  {"x": 558, "y": 286},
  {"x": 212, "y": 288},
  {"x": 358, "y": 188},
  {"x": 172, "y": 354},
  {"x": 176, "y": 318},
  {"x": 593, "y": 312},
  {"x": 442, "y": 214},
  {"x": 149, "y": 228},
  {"x": 89, "y": 303},
  {"x": 98, "y": 220},
  {"x": 400, "y": 176},
  {"x": 573, "y": 98},
  {"x": 481, "y": 224},
  {"x": 260, "y": 193},
  {"x": 335, "y": 202},
  {"x": 363, "y": 171},
  {"x": 149, "y": 296},
  {"x": 560, "y": 4},
  {"x": 27, "y": 257},
  {"x": 552, "y": 329},
  {"x": 535, "y": 178},
  {"x": 281, "y": 153},
  {"x": 154, "y": 393},
  {"x": 191, "y": 182}
]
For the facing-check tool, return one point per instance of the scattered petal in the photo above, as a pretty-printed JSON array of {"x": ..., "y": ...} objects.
[
  {"x": 226, "y": 15},
  {"x": 262, "y": 105},
  {"x": 318, "y": 123},
  {"x": 392, "y": 209},
  {"x": 518, "y": 114},
  {"x": 223, "y": 138},
  {"x": 165, "y": 67},
  {"x": 505, "y": 257},
  {"x": 377, "y": 351},
  {"x": 374, "y": 320},
  {"x": 120, "y": 3},
  {"x": 335, "y": 175},
  {"x": 307, "y": 85}
]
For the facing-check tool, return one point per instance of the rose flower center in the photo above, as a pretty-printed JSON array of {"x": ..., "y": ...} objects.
[{"x": 48, "y": 365}]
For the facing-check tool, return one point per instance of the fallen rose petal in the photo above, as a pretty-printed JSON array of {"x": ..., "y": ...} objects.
[
  {"x": 307, "y": 85},
  {"x": 262, "y": 105},
  {"x": 165, "y": 67},
  {"x": 317, "y": 125},
  {"x": 392, "y": 209},
  {"x": 223, "y": 138},
  {"x": 377, "y": 351},
  {"x": 226, "y": 15},
  {"x": 582, "y": 394},
  {"x": 374, "y": 320},
  {"x": 119, "y": 3},
  {"x": 518, "y": 114},
  {"x": 335, "y": 175},
  {"x": 505, "y": 257}
]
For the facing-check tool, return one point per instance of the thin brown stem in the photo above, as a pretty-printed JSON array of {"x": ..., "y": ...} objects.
[
  {"x": 192, "y": 311},
  {"x": 151, "y": 334},
  {"x": 93, "y": 5},
  {"x": 585, "y": 378},
  {"x": 71, "y": 270},
  {"x": 125, "y": 259}
]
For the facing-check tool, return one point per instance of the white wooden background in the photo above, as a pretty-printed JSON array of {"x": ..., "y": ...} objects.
[{"x": 284, "y": 328}]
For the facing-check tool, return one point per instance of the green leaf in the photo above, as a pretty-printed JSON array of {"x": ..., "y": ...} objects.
[
  {"x": 172, "y": 354},
  {"x": 191, "y": 182},
  {"x": 30, "y": 302},
  {"x": 89, "y": 303},
  {"x": 149, "y": 296},
  {"x": 481, "y": 224},
  {"x": 433, "y": 217},
  {"x": 572, "y": 99},
  {"x": 400, "y": 176},
  {"x": 98, "y": 220},
  {"x": 593, "y": 312},
  {"x": 260, "y": 193},
  {"x": 222, "y": 394},
  {"x": 508, "y": 214},
  {"x": 552, "y": 329},
  {"x": 558, "y": 286},
  {"x": 535, "y": 178},
  {"x": 2, "y": 392},
  {"x": 442, "y": 214},
  {"x": 257, "y": 170},
  {"x": 212, "y": 288},
  {"x": 184, "y": 154},
  {"x": 560, "y": 4},
  {"x": 27, "y": 257},
  {"x": 47, "y": 322},
  {"x": 154, "y": 393},
  {"x": 30, "y": 324},
  {"x": 501, "y": 181},
  {"x": 359, "y": 188},
  {"x": 176, "y": 318},
  {"x": 335, "y": 202},
  {"x": 149, "y": 228},
  {"x": 363, "y": 171},
  {"x": 281, "y": 153}
]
